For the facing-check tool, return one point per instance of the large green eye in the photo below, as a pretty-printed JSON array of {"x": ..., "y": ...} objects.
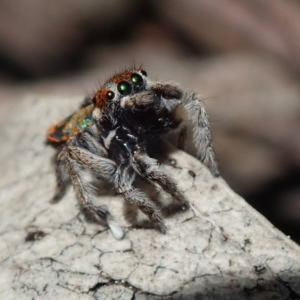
[
  {"x": 137, "y": 80},
  {"x": 124, "y": 88}
]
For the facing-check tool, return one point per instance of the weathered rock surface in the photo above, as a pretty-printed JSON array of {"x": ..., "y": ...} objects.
[{"x": 219, "y": 249}]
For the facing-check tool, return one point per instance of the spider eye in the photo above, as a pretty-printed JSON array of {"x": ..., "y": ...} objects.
[
  {"x": 144, "y": 73},
  {"x": 137, "y": 80},
  {"x": 124, "y": 88},
  {"x": 110, "y": 95}
]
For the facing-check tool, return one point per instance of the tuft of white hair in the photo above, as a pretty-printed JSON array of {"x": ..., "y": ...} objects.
[{"x": 116, "y": 229}]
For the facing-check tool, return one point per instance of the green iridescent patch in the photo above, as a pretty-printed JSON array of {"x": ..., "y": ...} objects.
[{"x": 88, "y": 121}]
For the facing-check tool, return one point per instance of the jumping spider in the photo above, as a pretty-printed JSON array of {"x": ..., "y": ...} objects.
[{"x": 110, "y": 136}]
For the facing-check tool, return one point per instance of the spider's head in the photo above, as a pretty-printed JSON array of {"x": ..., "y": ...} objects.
[
  {"x": 128, "y": 82},
  {"x": 125, "y": 84},
  {"x": 130, "y": 96}
]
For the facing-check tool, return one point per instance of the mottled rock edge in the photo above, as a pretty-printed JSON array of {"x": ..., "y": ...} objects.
[{"x": 220, "y": 249}]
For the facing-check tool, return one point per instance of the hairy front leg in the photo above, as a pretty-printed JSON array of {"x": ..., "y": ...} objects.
[
  {"x": 71, "y": 160},
  {"x": 79, "y": 158}
]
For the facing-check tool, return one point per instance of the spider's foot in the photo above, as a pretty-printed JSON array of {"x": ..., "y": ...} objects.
[
  {"x": 214, "y": 169},
  {"x": 59, "y": 193},
  {"x": 216, "y": 173},
  {"x": 183, "y": 203},
  {"x": 161, "y": 227},
  {"x": 117, "y": 231},
  {"x": 55, "y": 199}
]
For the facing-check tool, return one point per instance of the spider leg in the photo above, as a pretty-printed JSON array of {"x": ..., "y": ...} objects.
[
  {"x": 147, "y": 167},
  {"x": 123, "y": 182},
  {"x": 62, "y": 177},
  {"x": 171, "y": 91},
  {"x": 201, "y": 131},
  {"x": 104, "y": 168},
  {"x": 138, "y": 101},
  {"x": 85, "y": 139},
  {"x": 195, "y": 109},
  {"x": 83, "y": 151},
  {"x": 100, "y": 166}
]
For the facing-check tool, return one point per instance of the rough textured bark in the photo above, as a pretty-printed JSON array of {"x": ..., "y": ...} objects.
[{"x": 219, "y": 249}]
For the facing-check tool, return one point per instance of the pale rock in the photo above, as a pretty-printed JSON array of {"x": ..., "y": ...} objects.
[{"x": 221, "y": 248}]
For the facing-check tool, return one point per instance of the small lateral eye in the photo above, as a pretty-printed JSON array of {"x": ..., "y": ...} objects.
[
  {"x": 137, "y": 80},
  {"x": 144, "y": 73},
  {"x": 110, "y": 95},
  {"x": 124, "y": 88}
]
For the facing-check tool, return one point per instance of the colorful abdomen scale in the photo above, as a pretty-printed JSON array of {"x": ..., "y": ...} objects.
[{"x": 61, "y": 132}]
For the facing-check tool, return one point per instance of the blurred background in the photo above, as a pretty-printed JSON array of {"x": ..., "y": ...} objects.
[{"x": 242, "y": 56}]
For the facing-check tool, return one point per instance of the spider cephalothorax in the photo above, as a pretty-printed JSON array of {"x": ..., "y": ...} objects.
[{"x": 110, "y": 134}]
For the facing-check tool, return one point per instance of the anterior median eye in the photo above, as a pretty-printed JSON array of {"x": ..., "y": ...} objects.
[
  {"x": 137, "y": 80},
  {"x": 124, "y": 88}
]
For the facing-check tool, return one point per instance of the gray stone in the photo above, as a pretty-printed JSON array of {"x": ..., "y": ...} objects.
[{"x": 219, "y": 249}]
